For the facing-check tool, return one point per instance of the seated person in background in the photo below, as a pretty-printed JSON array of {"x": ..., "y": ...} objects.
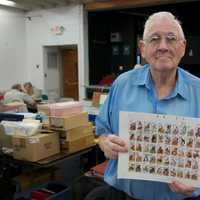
[
  {"x": 16, "y": 94},
  {"x": 31, "y": 90},
  {"x": 107, "y": 80},
  {"x": 28, "y": 88},
  {"x": 13, "y": 108}
]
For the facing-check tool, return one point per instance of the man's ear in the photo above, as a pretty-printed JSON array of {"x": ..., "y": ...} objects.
[
  {"x": 141, "y": 46},
  {"x": 183, "y": 45}
]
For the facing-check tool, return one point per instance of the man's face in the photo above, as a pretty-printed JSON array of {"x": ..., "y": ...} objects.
[
  {"x": 29, "y": 89},
  {"x": 163, "y": 46}
]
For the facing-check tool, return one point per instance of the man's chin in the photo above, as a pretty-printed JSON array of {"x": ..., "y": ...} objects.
[{"x": 164, "y": 67}]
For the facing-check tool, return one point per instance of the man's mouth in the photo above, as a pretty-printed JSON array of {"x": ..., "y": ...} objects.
[{"x": 163, "y": 57}]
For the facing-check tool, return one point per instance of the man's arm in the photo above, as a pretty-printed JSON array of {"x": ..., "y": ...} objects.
[
  {"x": 28, "y": 99},
  {"x": 4, "y": 108}
]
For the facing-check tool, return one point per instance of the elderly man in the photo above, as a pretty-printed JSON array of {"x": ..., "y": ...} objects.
[
  {"x": 28, "y": 88},
  {"x": 32, "y": 91},
  {"x": 158, "y": 87}
]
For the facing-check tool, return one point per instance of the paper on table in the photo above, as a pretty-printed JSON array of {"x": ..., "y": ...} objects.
[{"x": 161, "y": 148}]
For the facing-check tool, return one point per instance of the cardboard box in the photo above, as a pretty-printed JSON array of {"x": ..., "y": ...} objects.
[
  {"x": 79, "y": 144},
  {"x": 96, "y": 98},
  {"x": 76, "y": 133},
  {"x": 35, "y": 147},
  {"x": 66, "y": 123},
  {"x": 5, "y": 140},
  {"x": 63, "y": 109},
  {"x": 44, "y": 109}
]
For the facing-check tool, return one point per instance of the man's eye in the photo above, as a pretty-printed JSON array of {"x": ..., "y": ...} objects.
[
  {"x": 171, "y": 38},
  {"x": 154, "y": 39}
]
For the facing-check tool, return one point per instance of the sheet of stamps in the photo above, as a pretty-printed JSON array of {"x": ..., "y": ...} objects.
[{"x": 161, "y": 148}]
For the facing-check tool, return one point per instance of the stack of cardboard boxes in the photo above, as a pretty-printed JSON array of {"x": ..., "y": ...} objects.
[
  {"x": 69, "y": 120},
  {"x": 76, "y": 132}
]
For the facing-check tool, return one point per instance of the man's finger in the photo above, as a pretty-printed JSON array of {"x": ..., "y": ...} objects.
[
  {"x": 181, "y": 188},
  {"x": 118, "y": 148},
  {"x": 117, "y": 140}
]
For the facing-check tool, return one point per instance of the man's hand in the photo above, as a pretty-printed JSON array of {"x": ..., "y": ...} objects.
[
  {"x": 111, "y": 145},
  {"x": 181, "y": 188}
]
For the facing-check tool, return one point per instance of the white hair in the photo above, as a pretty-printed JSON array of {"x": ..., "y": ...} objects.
[{"x": 162, "y": 15}]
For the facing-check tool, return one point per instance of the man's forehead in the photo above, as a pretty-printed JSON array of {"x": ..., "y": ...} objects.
[
  {"x": 163, "y": 27},
  {"x": 163, "y": 33}
]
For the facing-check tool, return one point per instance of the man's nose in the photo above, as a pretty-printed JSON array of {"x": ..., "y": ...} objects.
[{"x": 163, "y": 44}]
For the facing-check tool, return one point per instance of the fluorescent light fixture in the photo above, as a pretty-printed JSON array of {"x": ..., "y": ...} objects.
[{"x": 7, "y": 3}]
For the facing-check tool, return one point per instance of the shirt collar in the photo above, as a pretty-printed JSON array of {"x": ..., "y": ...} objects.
[
  {"x": 144, "y": 79},
  {"x": 143, "y": 76},
  {"x": 181, "y": 85}
]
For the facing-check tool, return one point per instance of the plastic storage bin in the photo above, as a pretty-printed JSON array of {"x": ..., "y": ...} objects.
[
  {"x": 60, "y": 191},
  {"x": 49, "y": 191}
]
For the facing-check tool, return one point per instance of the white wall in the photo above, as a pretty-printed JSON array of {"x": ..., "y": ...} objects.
[
  {"x": 39, "y": 34},
  {"x": 13, "y": 66}
]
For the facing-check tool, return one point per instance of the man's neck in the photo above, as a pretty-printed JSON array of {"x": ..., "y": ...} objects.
[{"x": 164, "y": 82}]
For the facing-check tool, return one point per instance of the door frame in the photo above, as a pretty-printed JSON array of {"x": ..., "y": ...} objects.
[{"x": 58, "y": 49}]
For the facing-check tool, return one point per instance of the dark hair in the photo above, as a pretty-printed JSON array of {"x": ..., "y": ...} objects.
[
  {"x": 28, "y": 84},
  {"x": 17, "y": 86}
]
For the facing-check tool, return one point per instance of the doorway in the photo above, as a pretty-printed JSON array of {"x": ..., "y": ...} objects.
[
  {"x": 61, "y": 72},
  {"x": 52, "y": 71}
]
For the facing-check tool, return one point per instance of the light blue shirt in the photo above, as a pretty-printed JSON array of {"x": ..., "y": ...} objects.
[{"x": 135, "y": 91}]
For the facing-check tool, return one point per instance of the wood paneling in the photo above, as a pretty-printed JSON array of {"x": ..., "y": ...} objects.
[{"x": 119, "y": 4}]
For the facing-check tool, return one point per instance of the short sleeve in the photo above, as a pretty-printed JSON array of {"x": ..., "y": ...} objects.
[{"x": 103, "y": 121}]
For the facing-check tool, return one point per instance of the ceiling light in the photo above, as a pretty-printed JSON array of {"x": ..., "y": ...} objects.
[{"x": 7, "y": 3}]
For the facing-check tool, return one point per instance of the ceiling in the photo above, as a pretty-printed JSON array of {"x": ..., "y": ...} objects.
[{"x": 28, "y": 5}]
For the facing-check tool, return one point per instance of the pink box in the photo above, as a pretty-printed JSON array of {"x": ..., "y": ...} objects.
[{"x": 65, "y": 108}]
